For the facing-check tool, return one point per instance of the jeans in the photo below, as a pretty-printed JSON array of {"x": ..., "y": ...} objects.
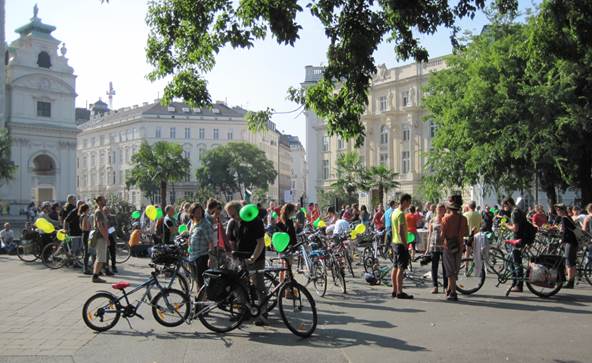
[
  {"x": 76, "y": 244},
  {"x": 435, "y": 262},
  {"x": 517, "y": 271},
  {"x": 257, "y": 279}
]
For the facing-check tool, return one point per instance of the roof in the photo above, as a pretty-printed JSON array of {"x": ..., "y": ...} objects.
[
  {"x": 35, "y": 25},
  {"x": 173, "y": 109}
]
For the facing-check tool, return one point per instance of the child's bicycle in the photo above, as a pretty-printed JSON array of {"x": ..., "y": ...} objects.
[
  {"x": 170, "y": 307},
  {"x": 58, "y": 254}
]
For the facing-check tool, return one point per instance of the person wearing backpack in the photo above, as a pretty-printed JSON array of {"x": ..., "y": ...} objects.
[{"x": 523, "y": 231}]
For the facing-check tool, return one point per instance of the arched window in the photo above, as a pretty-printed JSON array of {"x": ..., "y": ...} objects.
[
  {"x": 384, "y": 135},
  {"x": 44, "y": 165},
  {"x": 43, "y": 60}
]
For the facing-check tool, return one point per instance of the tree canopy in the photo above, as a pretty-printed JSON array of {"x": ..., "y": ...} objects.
[
  {"x": 157, "y": 165},
  {"x": 381, "y": 178},
  {"x": 186, "y": 35},
  {"x": 511, "y": 106},
  {"x": 229, "y": 168}
]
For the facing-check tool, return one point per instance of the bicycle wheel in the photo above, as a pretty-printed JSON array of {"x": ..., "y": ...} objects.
[
  {"x": 298, "y": 309},
  {"x": 348, "y": 260},
  {"x": 495, "y": 261},
  {"x": 101, "y": 312},
  {"x": 319, "y": 277},
  {"x": 122, "y": 252},
  {"x": 171, "y": 307},
  {"x": 339, "y": 277},
  {"x": 543, "y": 291},
  {"x": 468, "y": 282},
  {"x": 28, "y": 251},
  {"x": 588, "y": 272},
  {"x": 367, "y": 259},
  {"x": 54, "y": 255},
  {"x": 225, "y": 314},
  {"x": 271, "y": 283}
]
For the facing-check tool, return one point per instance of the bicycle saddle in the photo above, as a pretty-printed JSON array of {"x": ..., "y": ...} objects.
[
  {"x": 513, "y": 242},
  {"x": 241, "y": 254},
  {"x": 120, "y": 285}
]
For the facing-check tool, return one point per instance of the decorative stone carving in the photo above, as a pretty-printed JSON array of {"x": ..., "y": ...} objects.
[{"x": 382, "y": 73}]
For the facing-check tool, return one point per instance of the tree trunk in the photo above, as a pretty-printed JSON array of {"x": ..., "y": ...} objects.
[
  {"x": 381, "y": 194},
  {"x": 551, "y": 194},
  {"x": 163, "y": 191}
]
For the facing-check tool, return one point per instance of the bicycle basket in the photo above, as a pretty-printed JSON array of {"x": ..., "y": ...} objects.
[
  {"x": 545, "y": 270},
  {"x": 165, "y": 254},
  {"x": 218, "y": 284}
]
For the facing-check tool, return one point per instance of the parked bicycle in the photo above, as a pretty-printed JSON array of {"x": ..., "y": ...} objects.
[{"x": 59, "y": 254}]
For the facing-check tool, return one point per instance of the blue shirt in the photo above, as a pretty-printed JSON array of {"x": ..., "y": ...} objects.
[
  {"x": 387, "y": 219},
  {"x": 201, "y": 235}
]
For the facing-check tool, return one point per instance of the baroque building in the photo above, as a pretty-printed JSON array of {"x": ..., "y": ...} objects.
[
  {"x": 109, "y": 139},
  {"x": 38, "y": 106}
]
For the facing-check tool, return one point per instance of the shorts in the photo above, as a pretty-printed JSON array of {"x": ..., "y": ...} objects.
[
  {"x": 571, "y": 251},
  {"x": 451, "y": 262},
  {"x": 400, "y": 256},
  {"x": 101, "y": 250}
]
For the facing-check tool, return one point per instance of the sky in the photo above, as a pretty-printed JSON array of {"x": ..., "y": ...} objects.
[{"x": 106, "y": 44}]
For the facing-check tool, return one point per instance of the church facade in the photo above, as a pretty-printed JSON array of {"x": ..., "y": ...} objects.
[{"x": 39, "y": 113}]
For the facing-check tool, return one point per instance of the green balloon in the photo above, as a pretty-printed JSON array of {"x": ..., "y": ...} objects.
[
  {"x": 315, "y": 224},
  {"x": 280, "y": 241},
  {"x": 274, "y": 215},
  {"x": 249, "y": 212},
  {"x": 159, "y": 213},
  {"x": 410, "y": 237},
  {"x": 182, "y": 228},
  {"x": 136, "y": 214}
]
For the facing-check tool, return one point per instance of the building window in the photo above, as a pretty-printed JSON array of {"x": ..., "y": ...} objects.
[
  {"x": 202, "y": 134},
  {"x": 325, "y": 169},
  {"x": 383, "y": 159},
  {"x": 188, "y": 177},
  {"x": 43, "y": 109},
  {"x": 84, "y": 143},
  {"x": 113, "y": 158},
  {"x": 158, "y": 133},
  {"x": 216, "y": 134},
  {"x": 44, "y": 60},
  {"x": 135, "y": 134},
  {"x": 405, "y": 98},
  {"x": 114, "y": 174},
  {"x": 384, "y": 137},
  {"x": 432, "y": 128},
  {"x": 92, "y": 160},
  {"x": 102, "y": 140},
  {"x": 173, "y": 133},
  {"x": 188, "y": 195},
  {"x": 383, "y": 104},
  {"x": 340, "y": 144},
  {"x": 134, "y": 198},
  {"x": 172, "y": 196},
  {"x": 406, "y": 135},
  {"x": 325, "y": 143},
  {"x": 405, "y": 162},
  {"x": 230, "y": 135},
  {"x": 77, "y": 163},
  {"x": 77, "y": 181},
  {"x": 187, "y": 133},
  {"x": 187, "y": 154}
]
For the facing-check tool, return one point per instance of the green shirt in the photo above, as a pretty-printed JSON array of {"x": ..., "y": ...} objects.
[
  {"x": 398, "y": 223},
  {"x": 474, "y": 219}
]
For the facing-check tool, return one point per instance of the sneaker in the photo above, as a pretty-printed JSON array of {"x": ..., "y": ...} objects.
[
  {"x": 97, "y": 279},
  {"x": 435, "y": 290},
  {"x": 87, "y": 272},
  {"x": 404, "y": 296},
  {"x": 452, "y": 297}
]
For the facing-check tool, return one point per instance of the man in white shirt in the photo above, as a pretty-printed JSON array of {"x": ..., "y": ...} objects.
[{"x": 7, "y": 238}]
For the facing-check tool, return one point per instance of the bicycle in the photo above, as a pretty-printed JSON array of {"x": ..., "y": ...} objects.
[
  {"x": 167, "y": 303},
  {"x": 122, "y": 251},
  {"x": 29, "y": 250},
  {"x": 57, "y": 254},
  {"x": 544, "y": 275},
  {"x": 226, "y": 298},
  {"x": 315, "y": 268}
]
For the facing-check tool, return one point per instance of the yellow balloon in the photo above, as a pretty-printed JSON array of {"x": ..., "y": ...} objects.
[
  {"x": 360, "y": 229},
  {"x": 322, "y": 224},
  {"x": 151, "y": 212},
  {"x": 44, "y": 226},
  {"x": 267, "y": 240},
  {"x": 61, "y": 235},
  {"x": 353, "y": 235}
]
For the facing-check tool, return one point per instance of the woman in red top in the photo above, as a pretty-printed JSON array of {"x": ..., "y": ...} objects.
[
  {"x": 411, "y": 219},
  {"x": 377, "y": 220},
  {"x": 539, "y": 218}
]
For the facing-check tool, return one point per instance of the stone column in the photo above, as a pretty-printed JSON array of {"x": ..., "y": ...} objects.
[{"x": 2, "y": 66}]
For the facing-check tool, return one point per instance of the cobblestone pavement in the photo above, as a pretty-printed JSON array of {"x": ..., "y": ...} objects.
[{"x": 40, "y": 320}]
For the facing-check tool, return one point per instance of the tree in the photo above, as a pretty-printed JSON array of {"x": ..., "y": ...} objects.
[
  {"x": 230, "y": 168},
  {"x": 7, "y": 167},
  {"x": 381, "y": 178},
  {"x": 160, "y": 163},
  {"x": 349, "y": 175},
  {"x": 186, "y": 35}
]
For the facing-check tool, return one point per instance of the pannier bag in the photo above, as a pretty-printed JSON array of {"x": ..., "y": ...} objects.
[
  {"x": 218, "y": 283},
  {"x": 165, "y": 254},
  {"x": 545, "y": 270}
]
